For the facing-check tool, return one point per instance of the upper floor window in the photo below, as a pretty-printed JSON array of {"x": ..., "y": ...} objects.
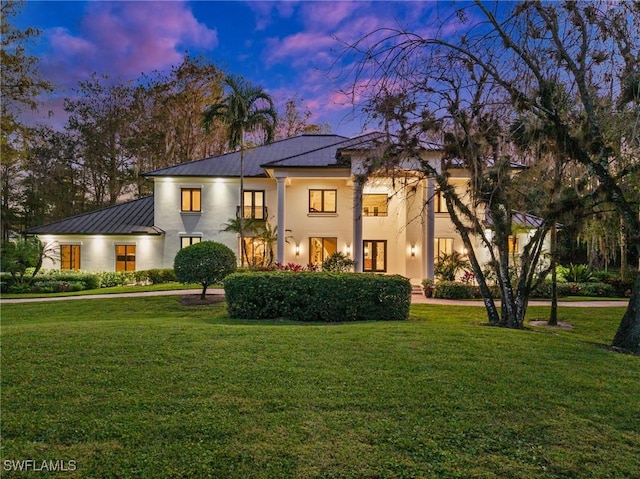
[
  {"x": 374, "y": 204},
  {"x": 440, "y": 204},
  {"x": 191, "y": 199},
  {"x": 323, "y": 201},
  {"x": 254, "y": 205},
  {"x": 70, "y": 257}
]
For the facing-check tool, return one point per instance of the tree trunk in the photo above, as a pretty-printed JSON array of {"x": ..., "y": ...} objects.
[
  {"x": 553, "y": 315},
  {"x": 241, "y": 222},
  {"x": 627, "y": 337},
  {"x": 203, "y": 295}
]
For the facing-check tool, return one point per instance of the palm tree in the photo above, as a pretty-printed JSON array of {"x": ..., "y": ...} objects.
[{"x": 245, "y": 109}]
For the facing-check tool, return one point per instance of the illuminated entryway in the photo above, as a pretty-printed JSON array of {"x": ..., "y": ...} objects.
[{"x": 375, "y": 256}]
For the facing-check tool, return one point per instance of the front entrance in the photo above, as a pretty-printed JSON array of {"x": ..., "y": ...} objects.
[{"x": 375, "y": 256}]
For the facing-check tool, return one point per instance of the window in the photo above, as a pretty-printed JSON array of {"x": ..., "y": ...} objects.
[
  {"x": 256, "y": 251},
  {"x": 442, "y": 246},
  {"x": 440, "y": 205},
  {"x": 321, "y": 248},
  {"x": 375, "y": 256},
  {"x": 189, "y": 240},
  {"x": 254, "y": 205},
  {"x": 374, "y": 204},
  {"x": 70, "y": 257},
  {"x": 322, "y": 201},
  {"x": 191, "y": 199},
  {"x": 125, "y": 257}
]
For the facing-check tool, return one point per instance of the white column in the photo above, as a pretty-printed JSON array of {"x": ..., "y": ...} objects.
[
  {"x": 281, "y": 222},
  {"x": 357, "y": 223},
  {"x": 428, "y": 233}
]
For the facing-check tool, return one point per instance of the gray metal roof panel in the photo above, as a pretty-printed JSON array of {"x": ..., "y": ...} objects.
[
  {"x": 132, "y": 217},
  {"x": 229, "y": 164},
  {"x": 325, "y": 156}
]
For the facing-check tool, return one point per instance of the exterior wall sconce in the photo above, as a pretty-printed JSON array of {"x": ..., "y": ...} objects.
[
  {"x": 413, "y": 251},
  {"x": 348, "y": 250},
  {"x": 297, "y": 250}
]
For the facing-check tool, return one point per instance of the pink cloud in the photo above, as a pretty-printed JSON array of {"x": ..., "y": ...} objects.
[
  {"x": 328, "y": 15},
  {"x": 124, "y": 39},
  {"x": 300, "y": 46}
]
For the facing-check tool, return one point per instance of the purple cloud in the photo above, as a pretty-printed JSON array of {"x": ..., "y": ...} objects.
[{"x": 124, "y": 39}]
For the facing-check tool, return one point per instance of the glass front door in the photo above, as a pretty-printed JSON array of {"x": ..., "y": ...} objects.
[{"x": 375, "y": 256}]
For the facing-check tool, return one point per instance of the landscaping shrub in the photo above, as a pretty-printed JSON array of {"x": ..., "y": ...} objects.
[
  {"x": 156, "y": 276},
  {"x": 109, "y": 279},
  {"x": 599, "y": 290},
  {"x": 454, "y": 290},
  {"x": 575, "y": 289},
  {"x": 621, "y": 287},
  {"x": 206, "y": 263},
  {"x": 578, "y": 273},
  {"x": 338, "y": 262},
  {"x": 56, "y": 286},
  {"x": 309, "y": 296}
]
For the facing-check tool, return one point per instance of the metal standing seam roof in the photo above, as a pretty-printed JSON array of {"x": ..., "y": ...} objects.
[
  {"x": 228, "y": 165},
  {"x": 132, "y": 217},
  {"x": 326, "y": 156}
]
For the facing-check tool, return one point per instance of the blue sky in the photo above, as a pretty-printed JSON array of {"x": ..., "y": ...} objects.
[{"x": 289, "y": 48}]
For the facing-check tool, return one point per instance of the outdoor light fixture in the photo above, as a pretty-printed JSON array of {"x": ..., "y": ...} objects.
[
  {"x": 348, "y": 250},
  {"x": 297, "y": 250},
  {"x": 413, "y": 251}
]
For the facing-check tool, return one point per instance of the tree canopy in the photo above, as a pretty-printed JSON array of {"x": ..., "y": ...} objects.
[{"x": 571, "y": 69}]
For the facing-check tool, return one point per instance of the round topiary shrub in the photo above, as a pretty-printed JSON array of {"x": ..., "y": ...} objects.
[{"x": 206, "y": 263}]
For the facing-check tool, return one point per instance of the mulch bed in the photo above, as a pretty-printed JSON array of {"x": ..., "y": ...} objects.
[{"x": 194, "y": 299}]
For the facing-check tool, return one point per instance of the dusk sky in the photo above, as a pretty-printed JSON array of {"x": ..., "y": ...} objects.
[{"x": 288, "y": 48}]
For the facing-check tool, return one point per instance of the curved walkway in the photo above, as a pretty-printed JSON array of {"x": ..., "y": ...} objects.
[{"x": 415, "y": 299}]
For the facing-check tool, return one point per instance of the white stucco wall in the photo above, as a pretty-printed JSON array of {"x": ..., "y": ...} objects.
[
  {"x": 220, "y": 197},
  {"x": 98, "y": 252},
  {"x": 304, "y": 225}
]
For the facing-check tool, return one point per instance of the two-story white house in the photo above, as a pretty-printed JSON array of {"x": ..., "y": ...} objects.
[{"x": 310, "y": 189}]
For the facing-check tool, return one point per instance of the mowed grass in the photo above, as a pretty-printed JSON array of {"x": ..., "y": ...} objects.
[{"x": 148, "y": 388}]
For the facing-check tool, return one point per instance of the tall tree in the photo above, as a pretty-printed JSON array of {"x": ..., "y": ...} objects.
[
  {"x": 51, "y": 183},
  {"x": 294, "y": 121},
  {"x": 100, "y": 118},
  {"x": 167, "y": 118},
  {"x": 20, "y": 86},
  {"x": 575, "y": 66},
  {"x": 245, "y": 109}
]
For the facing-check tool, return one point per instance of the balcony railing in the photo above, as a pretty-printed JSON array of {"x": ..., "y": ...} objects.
[{"x": 253, "y": 212}]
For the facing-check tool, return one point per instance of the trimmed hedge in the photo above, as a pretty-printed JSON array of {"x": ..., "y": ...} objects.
[
  {"x": 308, "y": 296},
  {"x": 599, "y": 290},
  {"x": 454, "y": 290}
]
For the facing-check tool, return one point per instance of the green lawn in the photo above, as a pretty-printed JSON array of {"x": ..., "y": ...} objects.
[
  {"x": 111, "y": 290},
  {"x": 148, "y": 388}
]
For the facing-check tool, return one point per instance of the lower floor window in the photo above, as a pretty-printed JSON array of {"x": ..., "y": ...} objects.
[
  {"x": 258, "y": 252},
  {"x": 189, "y": 240},
  {"x": 70, "y": 257},
  {"x": 375, "y": 256},
  {"x": 443, "y": 247},
  {"x": 321, "y": 248},
  {"x": 125, "y": 257}
]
